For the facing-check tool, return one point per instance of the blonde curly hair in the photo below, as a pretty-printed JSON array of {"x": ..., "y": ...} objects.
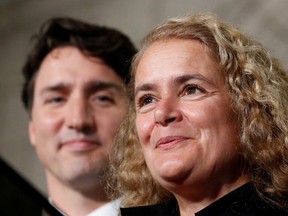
[{"x": 257, "y": 85}]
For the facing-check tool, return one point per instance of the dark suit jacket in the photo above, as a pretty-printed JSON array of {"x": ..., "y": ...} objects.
[{"x": 244, "y": 201}]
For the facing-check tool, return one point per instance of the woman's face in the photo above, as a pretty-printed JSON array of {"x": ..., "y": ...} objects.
[{"x": 186, "y": 127}]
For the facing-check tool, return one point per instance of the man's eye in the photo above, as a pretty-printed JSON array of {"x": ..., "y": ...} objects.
[
  {"x": 56, "y": 100},
  {"x": 104, "y": 98}
]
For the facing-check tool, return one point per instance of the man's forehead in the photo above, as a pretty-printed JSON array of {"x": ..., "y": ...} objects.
[{"x": 62, "y": 52}]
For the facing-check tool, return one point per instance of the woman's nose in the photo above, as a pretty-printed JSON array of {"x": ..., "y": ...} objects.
[{"x": 166, "y": 113}]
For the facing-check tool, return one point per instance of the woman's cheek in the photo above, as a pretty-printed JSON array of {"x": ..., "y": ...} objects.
[{"x": 144, "y": 128}]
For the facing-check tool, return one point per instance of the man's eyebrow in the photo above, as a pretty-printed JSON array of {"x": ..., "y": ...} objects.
[
  {"x": 58, "y": 87},
  {"x": 102, "y": 85},
  {"x": 90, "y": 87}
]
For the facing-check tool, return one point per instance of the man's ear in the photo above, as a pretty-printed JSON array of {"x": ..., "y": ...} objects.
[{"x": 32, "y": 133}]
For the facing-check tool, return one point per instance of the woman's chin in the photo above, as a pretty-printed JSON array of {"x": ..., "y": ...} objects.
[{"x": 173, "y": 175}]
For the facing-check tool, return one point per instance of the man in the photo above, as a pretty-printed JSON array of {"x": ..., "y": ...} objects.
[{"x": 74, "y": 91}]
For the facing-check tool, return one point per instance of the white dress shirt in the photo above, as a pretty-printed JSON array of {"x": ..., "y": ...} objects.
[{"x": 108, "y": 209}]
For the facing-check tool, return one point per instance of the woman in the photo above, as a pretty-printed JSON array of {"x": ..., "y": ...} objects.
[{"x": 208, "y": 130}]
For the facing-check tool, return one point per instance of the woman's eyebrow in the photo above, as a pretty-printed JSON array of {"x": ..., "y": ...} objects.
[
  {"x": 144, "y": 87},
  {"x": 178, "y": 80},
  {"x": 184, "y": 78}
]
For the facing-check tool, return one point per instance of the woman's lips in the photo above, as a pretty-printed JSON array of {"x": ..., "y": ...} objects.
[{"x": 169, "y": 141}]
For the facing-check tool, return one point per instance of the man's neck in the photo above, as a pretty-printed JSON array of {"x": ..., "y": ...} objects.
[{"x": 74, "y": 201}]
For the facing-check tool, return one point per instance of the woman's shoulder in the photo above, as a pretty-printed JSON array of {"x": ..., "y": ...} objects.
[
  {"x": 244, "y": 201},
  {"x": 169, "y": 208}
]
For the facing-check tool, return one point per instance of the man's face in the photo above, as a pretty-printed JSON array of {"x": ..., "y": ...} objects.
[{"x": 78, "y": 105}]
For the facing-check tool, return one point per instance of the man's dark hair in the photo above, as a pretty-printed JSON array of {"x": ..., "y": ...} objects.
[{"x": 108, "y": 44}]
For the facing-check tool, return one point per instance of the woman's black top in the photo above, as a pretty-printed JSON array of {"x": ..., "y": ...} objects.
[{"x": 242, "y": 201}]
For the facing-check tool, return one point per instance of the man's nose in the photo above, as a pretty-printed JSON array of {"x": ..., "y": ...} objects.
[
  {"x": 80, "y": 116},
  {"x": 167, "y": 112}
]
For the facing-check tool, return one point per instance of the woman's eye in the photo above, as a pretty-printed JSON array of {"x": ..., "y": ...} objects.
[
  {"x": 144, "y": 100},
  {"x": 193, "y": 89}
]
